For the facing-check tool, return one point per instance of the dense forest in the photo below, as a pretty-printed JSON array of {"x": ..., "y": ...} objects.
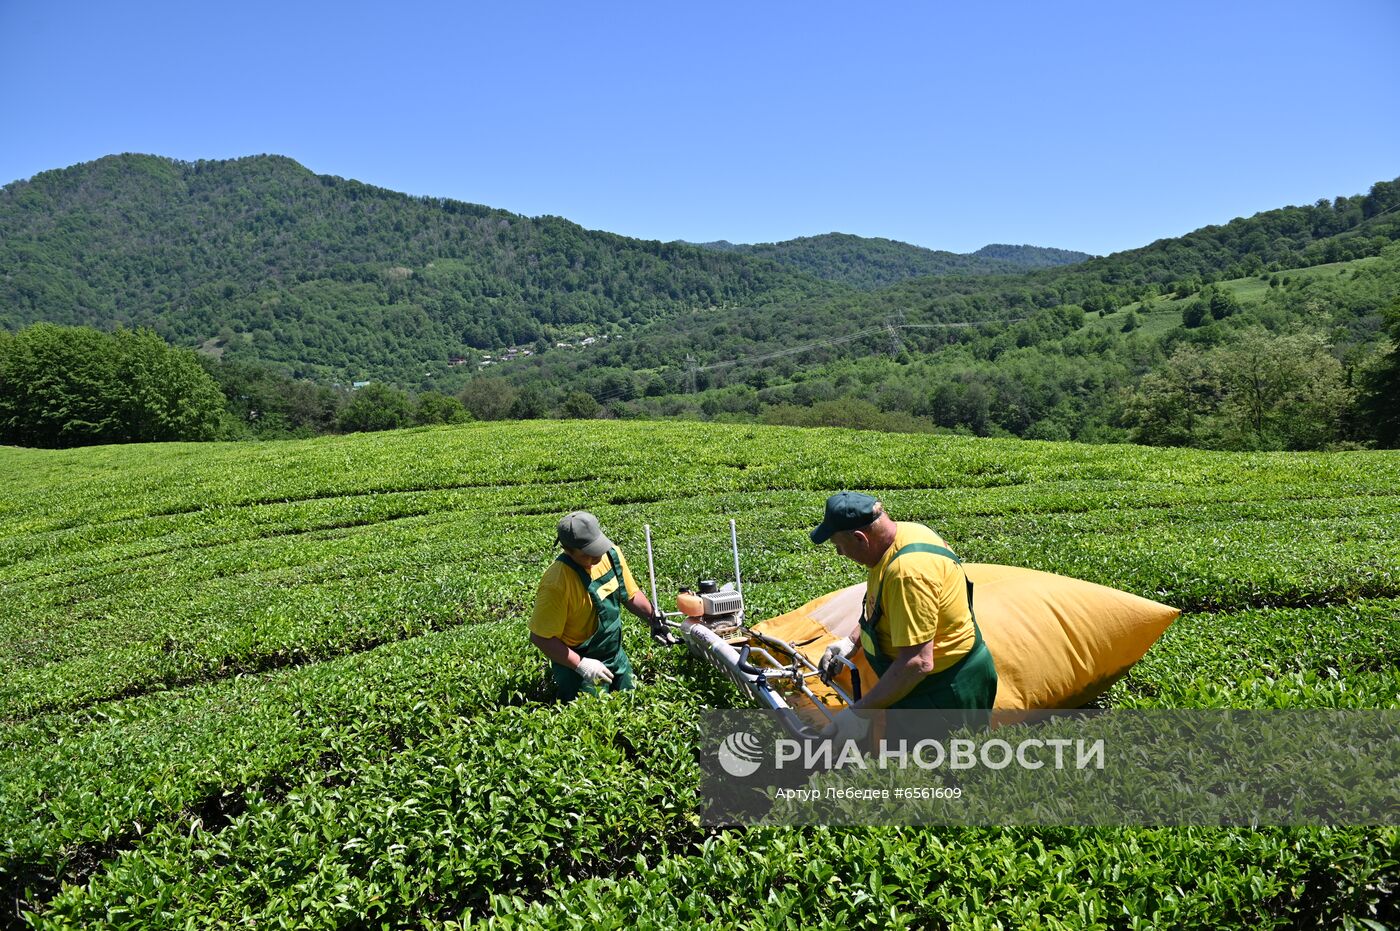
[
  {"x": 76, "y": 386},
  {"x": 1313, "y": 340},
  {"x": 259, "y": 259},
  {"x": 871, "y": 263},
  {"x": 1058, "y": 354},
  {"x": 294, "y": 286}
]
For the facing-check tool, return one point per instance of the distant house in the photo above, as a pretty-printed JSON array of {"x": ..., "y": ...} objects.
[{"x": 357, "y": 385}]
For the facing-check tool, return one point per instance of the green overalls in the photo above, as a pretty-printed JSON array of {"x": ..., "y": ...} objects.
[
  {"x": 970, "y": 684},
  {"x": 605, "y": 644}
]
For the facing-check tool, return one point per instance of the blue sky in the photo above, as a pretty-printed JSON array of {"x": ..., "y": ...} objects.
[{"x": 1084, "y": 125}]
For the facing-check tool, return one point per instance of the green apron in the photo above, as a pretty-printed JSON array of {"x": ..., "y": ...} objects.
[
  {"x": 605, "y": 644},
  {"x": 968, "y": 685}
]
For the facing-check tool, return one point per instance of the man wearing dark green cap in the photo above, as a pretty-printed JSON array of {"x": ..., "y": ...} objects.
[
  {"x": 917, "y": 628},
  {"x": 578, "y": 610}
]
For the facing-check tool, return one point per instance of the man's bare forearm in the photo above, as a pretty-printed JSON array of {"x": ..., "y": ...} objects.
[
  {"x": 909, "y": 667},
  {"x": 557, "y": 650},
  {"x": 639, "y": 605}
]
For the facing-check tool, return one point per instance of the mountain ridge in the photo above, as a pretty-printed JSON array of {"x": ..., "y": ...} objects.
[
  {"x": 260, "y": 259},
  {"x": 871, "y": 263},
  {"x": 327, "y": 275}
]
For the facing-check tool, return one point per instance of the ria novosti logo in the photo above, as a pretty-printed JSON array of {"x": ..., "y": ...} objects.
[{"x": 741, "y": 754}]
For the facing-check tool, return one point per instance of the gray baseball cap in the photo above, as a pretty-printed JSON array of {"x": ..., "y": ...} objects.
[{"x": 579, "y": 530}]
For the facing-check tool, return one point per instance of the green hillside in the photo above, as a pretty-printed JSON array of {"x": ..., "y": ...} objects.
[
  {"x": 1005, "y": 354},
  {"x": 288, "y": 683},
  {"x": 259, "y": 258},
  {"x": 1053, "y": 357},
  {"x": 1030, "y": 256},
  {"x": 870, "y": 263},
  {"x": 260, "y": 261},
  {"x": 1328, "y": 282}
]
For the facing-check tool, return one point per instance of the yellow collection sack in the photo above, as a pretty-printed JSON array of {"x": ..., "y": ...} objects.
[
  {"x": 811, "y": 629},
  {"x": 1057, "y": 642}
]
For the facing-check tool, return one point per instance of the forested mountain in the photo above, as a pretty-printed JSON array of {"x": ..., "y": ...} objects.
[
  {"x": 1086, "y": 352},
  {"x": 262, "y": 259},
  {"x": 870, "y": 263},
  {"x": 1029, "y": 257},
  {"x": 1291, "y": 237}
]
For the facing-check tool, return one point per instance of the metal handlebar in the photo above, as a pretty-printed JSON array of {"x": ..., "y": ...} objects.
[{"x": 827, "y": 676}]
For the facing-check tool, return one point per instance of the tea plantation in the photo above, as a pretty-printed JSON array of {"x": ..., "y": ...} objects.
[{"x": 288, "y": 684}]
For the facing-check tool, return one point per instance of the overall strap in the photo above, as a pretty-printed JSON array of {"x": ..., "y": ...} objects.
[
  {"x": 591, "y": 586},
  {"x": 578, "y": 570},
  {"x": 919, "y": 548},
  {"x": 915, "y": 548}
]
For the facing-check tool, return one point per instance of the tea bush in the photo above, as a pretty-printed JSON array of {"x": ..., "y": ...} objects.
[{"x": 288, "y": 684}]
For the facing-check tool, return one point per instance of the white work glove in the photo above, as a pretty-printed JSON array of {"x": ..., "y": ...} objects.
[
  {"x": 830, "y": 664},
  {"x": 847, "y": 725},
  {"x": 593, "y": 671}
]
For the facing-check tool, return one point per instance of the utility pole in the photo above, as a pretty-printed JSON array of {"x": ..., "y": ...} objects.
[
  {"x": 892, "y": 329},
  {"x": 690, "y": 369}
]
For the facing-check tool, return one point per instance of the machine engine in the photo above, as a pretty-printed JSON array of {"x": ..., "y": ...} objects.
[{"x": 721, "y": 609}]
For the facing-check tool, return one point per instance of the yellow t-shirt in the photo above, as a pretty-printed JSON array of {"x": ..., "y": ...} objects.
[
  {"x": 924, "y": 598},
  {"x": 562, "y": 606}
]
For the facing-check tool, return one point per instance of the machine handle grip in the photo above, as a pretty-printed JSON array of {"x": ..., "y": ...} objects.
[
  {"x": 830, "y": 674},
  {"x": 855, "y": 677},
  {"x": 744, "y": 666}
]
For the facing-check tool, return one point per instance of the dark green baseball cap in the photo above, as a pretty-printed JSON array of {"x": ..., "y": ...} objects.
[
  {"x": 846, "y": 510},
  {"x": 579, "y": 530}
]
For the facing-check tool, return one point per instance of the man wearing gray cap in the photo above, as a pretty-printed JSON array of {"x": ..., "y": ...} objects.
[
  {"x": 578, "y": 610},
  {"x": 916, "y": 627}
]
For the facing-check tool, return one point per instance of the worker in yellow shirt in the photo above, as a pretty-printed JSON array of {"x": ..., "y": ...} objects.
[
  {"x": 917, "y": 628},
  {"x": 578, "y": 610}
]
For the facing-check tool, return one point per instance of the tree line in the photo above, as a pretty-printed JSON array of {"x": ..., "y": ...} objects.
[
  {"x": 331, "y": 279},
  {"x": 66, "y": 386},
  {"x": 1257, "y": 377},
  {"x": 872, "y": 263},
  {"x": 295, "y": 286}
]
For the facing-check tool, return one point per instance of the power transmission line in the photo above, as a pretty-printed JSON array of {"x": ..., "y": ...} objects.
[
  {"x": 889, "y": 328},
  {"x": 689, "y": 375}
]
